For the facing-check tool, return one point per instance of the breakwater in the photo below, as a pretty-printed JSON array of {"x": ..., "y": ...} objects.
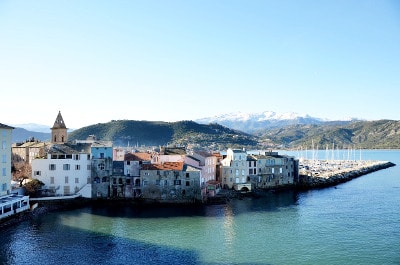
[{"x": 319, "y": 175}]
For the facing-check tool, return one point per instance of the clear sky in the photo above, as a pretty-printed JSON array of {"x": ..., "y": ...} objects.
[{"x": 169, "y": 60}]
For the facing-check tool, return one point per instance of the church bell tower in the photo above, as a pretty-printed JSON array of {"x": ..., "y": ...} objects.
[{"x": 59, "y": 131}]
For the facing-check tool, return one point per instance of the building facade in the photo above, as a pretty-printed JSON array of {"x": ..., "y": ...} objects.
[
  {"x": 234, "y": 168},
  {"x": 273, "y": 170},
  {"x": 171, "y": 182},
  {"x": 64, "y": 171},
  {"x": 5, "y": 156},
  {"x": 242, "y": 171}
]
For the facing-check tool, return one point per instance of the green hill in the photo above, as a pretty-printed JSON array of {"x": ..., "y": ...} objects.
[
  {"x": 381, "y": 134},
  {"x": 151, "y": 133}
]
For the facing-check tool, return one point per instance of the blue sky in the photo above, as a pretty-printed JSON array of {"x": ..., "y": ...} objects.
[{"x": 182, "y": 60}]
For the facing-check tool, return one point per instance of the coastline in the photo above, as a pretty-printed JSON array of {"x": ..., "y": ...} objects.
[{"x": 306, "y": 182}]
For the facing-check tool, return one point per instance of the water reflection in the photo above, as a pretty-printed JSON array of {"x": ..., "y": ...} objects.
[{"x": 229, "y": 230}]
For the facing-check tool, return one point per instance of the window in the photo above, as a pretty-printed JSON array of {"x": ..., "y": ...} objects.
[
  {"x": 187, "y": 183},
  {"x": 242, "y": 172},
  {"x": 88, "y": 180},
  {"x": 237, "y": 172},
  {"x": 51, "y": 180},
  {"x": 52, "y": 167},
  {"x": 158, "y": 182},
  {"x": 187, "y": 175},
  {"x": 77, "y": 167},
  {"x": 4, "y": 133},
  {"x": 4, "y": 172},
  {"x": 88, "y": 167},
  {"x": 4, "y": 187},
  {"x": 76, "y": 157},
  {"x": 3, "y": 144},
  {"x": 177, "y": 182},
  {"x": 66, "y": 166},
  {"x": 36, "y": 173},
  {"x": 101, "y": 155},
  {"x": 66, "y": 180},
  {"x": 4, "y": 158},
  {"x": 280, "y": 170},
  {"x": 273, "y": 170},
  {"x": 76, "y": 180}
]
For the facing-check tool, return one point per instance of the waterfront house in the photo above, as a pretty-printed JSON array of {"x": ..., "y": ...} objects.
[
  {"x": 234, "y": 170},
  {"x": 208, "y": 165},
  {"x": 64, "y": 171},
  {"x": 132, "y": 166},
  {"x": 101, "y": 153},
  {"x": 171, "y": 182},
  {"x": 272, "y": 170},
  {"x": 242, "y": 171}
]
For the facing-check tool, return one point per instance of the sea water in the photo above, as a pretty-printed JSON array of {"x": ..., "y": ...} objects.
[{"x": 357, "y": 222}]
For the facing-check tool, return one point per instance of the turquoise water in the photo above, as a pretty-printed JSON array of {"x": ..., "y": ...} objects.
[{"x": 357, "y": 222}]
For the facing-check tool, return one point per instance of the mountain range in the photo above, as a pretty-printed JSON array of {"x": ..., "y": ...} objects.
[
  {"x": 253, "y": 122},
  {"x": 238, "y": 130}
]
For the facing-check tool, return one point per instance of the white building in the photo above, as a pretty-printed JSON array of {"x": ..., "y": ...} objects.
[
  {"x": 66, "y": 168},
  {"x": 64, "y": 171}
]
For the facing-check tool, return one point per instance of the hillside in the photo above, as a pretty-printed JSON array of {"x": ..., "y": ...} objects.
[
  {"x": 21, "y": 135},
  {"x": 382, "y": 134},
  {"x": 150, "y": 133}
]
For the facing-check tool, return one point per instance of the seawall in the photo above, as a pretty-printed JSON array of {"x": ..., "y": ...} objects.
[{"x": 334, "y": 177}]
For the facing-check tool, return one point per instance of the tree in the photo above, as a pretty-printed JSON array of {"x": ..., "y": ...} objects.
[
  {"x": 33, "y": 187},
  {"x": 21, "y": 171}
]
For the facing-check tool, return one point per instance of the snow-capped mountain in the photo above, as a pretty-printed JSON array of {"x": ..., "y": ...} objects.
[{"x": 250, "y": 122}]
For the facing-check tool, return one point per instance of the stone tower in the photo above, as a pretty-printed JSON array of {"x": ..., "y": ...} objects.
[{"x": 59, "y": 131}]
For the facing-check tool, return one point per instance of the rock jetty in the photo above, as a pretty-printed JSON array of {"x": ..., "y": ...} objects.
[{"x": 318, "y": 179}]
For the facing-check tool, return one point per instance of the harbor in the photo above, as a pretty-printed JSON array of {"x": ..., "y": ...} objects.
[{"x": 323, "y": 173}]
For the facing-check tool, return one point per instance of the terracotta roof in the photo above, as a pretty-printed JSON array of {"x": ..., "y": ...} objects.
[
  {"x": 164, "y": 166},
  {"x": 141, "y": 156}
]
